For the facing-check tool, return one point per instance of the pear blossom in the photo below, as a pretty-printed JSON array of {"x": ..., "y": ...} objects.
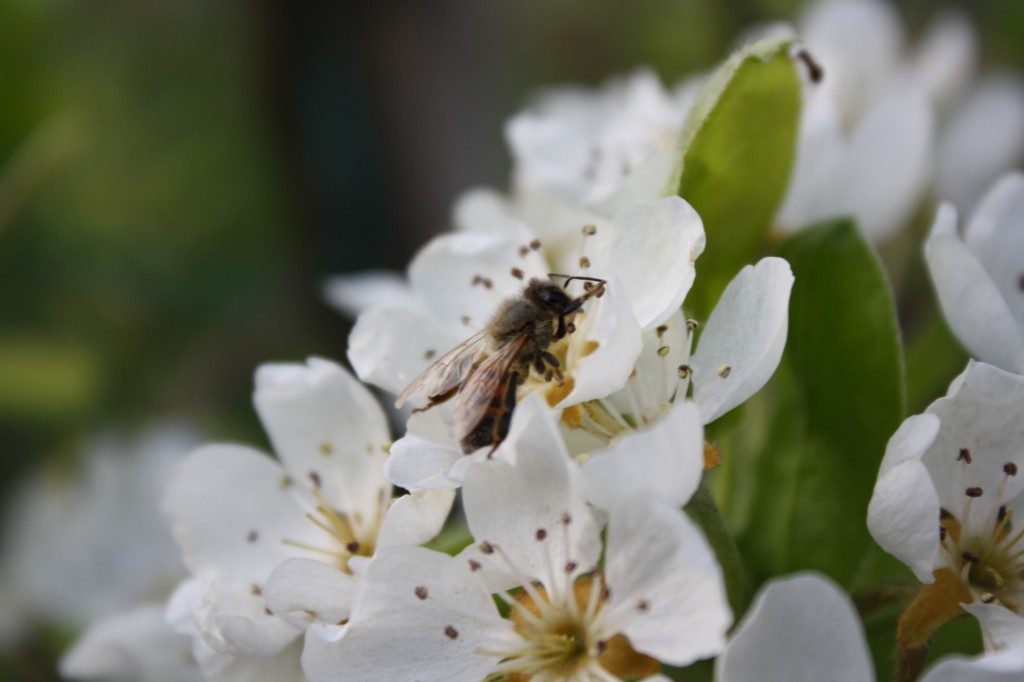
[
  {"x": 979, "y": 276},
  {"x": 646, "y": 255},
  {"x": 803, "y": 628},
  {"x": 595, "y": 148},
  {"x": 237, "y": 515},
  {"x": 948, "y": 488},
  {"x": 425, "y": 615}
]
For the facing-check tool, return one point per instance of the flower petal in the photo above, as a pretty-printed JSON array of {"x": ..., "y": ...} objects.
[
  {"x": 416, "y": 518},
  {"x": 352, "y": 294},
  {"x": 233, "y": 619},
  {"x": 1002, "y": 666},
  {"x": 800, "y": 629},
  {"x": 664, "y": 460},
  {"x": 421, "y": 615},
  {"x": 971, "y": 301},
  {"x": 652, "y": 248},
  {"x": 324, "y": 423},
  {"x": 231, "y": 508},
  {"x": 995, "y": 235},
  {"x": 746, "y": 333},
  {"x": 666, "y": 585},
  {"x": 304, "y": 591},
  {"x": 424, "y": 456},
  {"x": 1003, "y": 629},
  {"x": 131, "y": 645}
]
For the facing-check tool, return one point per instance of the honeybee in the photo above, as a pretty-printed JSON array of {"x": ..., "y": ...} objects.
[{"x": 484, "y": 371}]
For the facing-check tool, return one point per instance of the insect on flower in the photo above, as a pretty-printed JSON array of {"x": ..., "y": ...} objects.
[{"x": 485, "y": 370}]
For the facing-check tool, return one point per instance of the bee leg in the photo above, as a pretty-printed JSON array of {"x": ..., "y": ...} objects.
[
  {"x": 560, "y": 332},
  {"x": 504, "y": 420},
  {"x": 437, "y": 399}
]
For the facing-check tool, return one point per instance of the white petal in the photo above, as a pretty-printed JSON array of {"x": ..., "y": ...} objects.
[
  {"x": 996, "y": 236},
  {"x": 664, "y": 460},
  {"x": 304, "y": 591},
  {"x": 533, "y": 510},
  {"x": 904, "y": 509},
  {"x": 424, "y": 457},
  {"x": 888, "y": 164},
  {"x": 133, "y": 645},
  {"x": 971, "y": 301},
  {"x": 354, "y": 293},
  {"x": 666, "y": 586},
  {"x": 389, "y": 347},
  {"x": 652, "y": 250},
  {"x": 1003, "y": 628},
  {"x": 599, "y": 372},
  {"x": 1002, "y": 666},
  {"x": 463, "y": 277},
  {"x": 481, "y": 209},
  {"x": 746, "y": 333},
  {"x": 421, "y": 615},
  {"x": 800, "y": 629},
  {"x": 284, "y": 666},
  {"x": 984, "y": 139},
  {"x": 984, "y": 414},
  {"x": 233, "y": 619},
  {"x": 231, "y": 508},
  {"x": 323, "y": 422},
  {"x": 945, "y": 57},
  {"x": 416, "y": 518}
]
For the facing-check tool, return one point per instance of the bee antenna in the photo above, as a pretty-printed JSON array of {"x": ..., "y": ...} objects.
[{"x": 569, "y": 278}]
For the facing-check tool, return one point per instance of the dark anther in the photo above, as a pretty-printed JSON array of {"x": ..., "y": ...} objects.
[
  {"x": 661, "y": 330},
  {"x": 942, "y": 533},
  {"x": 643, "y": 605},
  {"x": 1010, "y": 469},
  {"x": 964, "y": 456},
  {"x": 570, "y": 566},
  {"x": 973, "y": 492},
  {"x": 421, "y": 591},
  {"x": 566, "y": 518},
  {"x": 486, "y": 547},
  {"x": 523, "y": 250},
  {"x": 315, "y": 478},
  {"x": 352, "y": 547},
  {"x": 517, "y": 273},
  {"x": 253, "y": 536},
  {"x": 972, "y": 557},
  {"x": 450, "y": 632},
  {"x": 814, "y": 70},
  {"x": 474, "y": 565},
  {"x": 541, "y": 534},
  {"x": 535, "y": 244}
]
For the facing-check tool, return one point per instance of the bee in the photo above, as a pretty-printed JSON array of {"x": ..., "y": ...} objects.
[{"x": 484, "y": 371}]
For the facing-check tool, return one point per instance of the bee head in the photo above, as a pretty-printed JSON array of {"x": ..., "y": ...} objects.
[{"x": 549, "y": 295}]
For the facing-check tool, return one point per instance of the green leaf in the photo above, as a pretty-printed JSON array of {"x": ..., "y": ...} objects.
[
  {"x": 736, "y": 152},
  {"x": 826, "y": 417}
]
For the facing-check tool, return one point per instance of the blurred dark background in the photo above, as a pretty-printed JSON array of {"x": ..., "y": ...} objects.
[{"x": 177, "y": 178}]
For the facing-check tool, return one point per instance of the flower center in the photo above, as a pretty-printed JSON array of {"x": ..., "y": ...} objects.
[
  {"x": 988, "y": 553},
  {"x": 347, "y": 538}
]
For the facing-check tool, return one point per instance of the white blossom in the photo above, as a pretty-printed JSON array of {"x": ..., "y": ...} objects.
[{"x": 979, "y": 276}]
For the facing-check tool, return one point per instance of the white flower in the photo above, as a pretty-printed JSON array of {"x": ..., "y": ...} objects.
[
  {"x": 948, "y": 488},
  {"x": 865, "y": 139},
  {"x": 238, "y": 515},
  {"x": 803, "y": 628},
  {"x": 646, "y": 254},
  {"x": 979, "y": 277},
  {"x": 589, "y": 145},
  {"x": 425, "y": 615},
  {"x": 135, "y": 645},
  {"x": 106, "y": 511}
]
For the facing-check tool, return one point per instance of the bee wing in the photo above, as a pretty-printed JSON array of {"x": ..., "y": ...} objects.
[
  {"x": 448, "y": 371},
  {"x": 484, "y": 383}
]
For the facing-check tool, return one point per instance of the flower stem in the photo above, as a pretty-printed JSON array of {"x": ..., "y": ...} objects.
[
  {"x": 909, "y": 663},
  {"x": 704, "y": 512}
]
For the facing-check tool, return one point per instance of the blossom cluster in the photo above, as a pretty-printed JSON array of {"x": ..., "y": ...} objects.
[{"x": 534, "y": 516}]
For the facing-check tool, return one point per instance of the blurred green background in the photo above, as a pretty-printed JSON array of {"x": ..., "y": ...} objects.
[{"x": 178, "y": 178}]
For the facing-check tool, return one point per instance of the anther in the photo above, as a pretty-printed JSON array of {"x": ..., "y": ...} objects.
[
  {"x": 255, "y": 590},
  {"x": 663, "y": 351},
  {"x": 326, "y": 449},
  {"x": 942, "y": 533},
  {"x": 691, "y": 325},
  {"x": 1010, "y": 469},
  {"x": 589, "y": 230},
  {"x": 284, "y": 482},
  {"x": 523, "y": 250},
  {"x": 606, "y": 594},
  {"x": 352, "y": 547},
  {"x": 474, "y": 565},
  {"x": 253, "y": 536},
  {"x": 814, "y": 70},
  {"x": 724, "y": 371},
  {"x": 517, "y": 273},
  {"x": 566, "y": 518},
  {"x": 974, "y": 492},
  {"x": 486, "y": 547},
  {"x": 315, "y": 478},
  {"x": 601, "y": 646},
  {"x": 972, "y": 557},
  {"x": 450, "y": 632},
  {"x": 535, "y": 244},
  {"x": 988, "y": 598},
  {"x": 683, "y": 371},
  {"x": 541, "y": 534},
  {"x": 584, "y": 262},
  {"x": 570, "y": 566},
  {"x": 430, "y": 353},
  {"x": 964, "y": 456},
  {"x": 570, "y": 328},
  {"x": 465, "y": 320},
  {"x": 267, "y": 612},
  {"x": 643, "y": 605},
  {"x": 421, "y": 591}
]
